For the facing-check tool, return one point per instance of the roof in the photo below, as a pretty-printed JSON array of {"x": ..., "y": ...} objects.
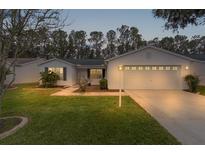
[
  {"x": 83, "y": 62},
  {"x": 21, "y": 61},
  {"x": 199, "y": 58},
  {"x": 86, "y": 61}
]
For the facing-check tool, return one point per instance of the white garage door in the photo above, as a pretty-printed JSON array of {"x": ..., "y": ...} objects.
[{"x": 152, "y": 77}]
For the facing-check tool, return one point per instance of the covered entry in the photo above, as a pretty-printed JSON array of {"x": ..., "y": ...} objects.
[{"x": 152, "y": 77}]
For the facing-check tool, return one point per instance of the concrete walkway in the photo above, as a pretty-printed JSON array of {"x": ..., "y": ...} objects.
[
  {"x": 70, "y": 92},
  {"x": 182, "y": 113}
]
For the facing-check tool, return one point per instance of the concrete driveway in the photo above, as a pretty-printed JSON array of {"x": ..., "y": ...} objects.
[{"x": 182, "y": 113}]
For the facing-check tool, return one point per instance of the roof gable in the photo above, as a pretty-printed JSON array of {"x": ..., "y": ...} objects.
[
  {"x": 24, "y": 61},
  {"x": 85, "y": 62},
  {"x": 57, "y": 59},
  {"x": 155, "y": 48}
]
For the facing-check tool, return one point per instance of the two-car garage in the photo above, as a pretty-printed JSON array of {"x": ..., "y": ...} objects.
[
  {"x": 151, "y": 77},
  {"x": 148, "y": 68}
]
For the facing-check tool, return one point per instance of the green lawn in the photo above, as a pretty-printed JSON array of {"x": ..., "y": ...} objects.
[
  {"x": 80, "y": 120},
  {"x": 201, "y": 89}
]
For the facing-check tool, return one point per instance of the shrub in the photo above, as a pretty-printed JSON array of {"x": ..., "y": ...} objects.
[
  {"x": 83, "y": 83},
  {"x": 49, "y": 79},
  {"x": 192, "y": 82},
  {"x": 103, "y": 84}
]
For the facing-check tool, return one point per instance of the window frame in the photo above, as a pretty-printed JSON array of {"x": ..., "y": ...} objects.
[
  {"x": 60, "y": 71},
  {"x": 98, "y": 73}
]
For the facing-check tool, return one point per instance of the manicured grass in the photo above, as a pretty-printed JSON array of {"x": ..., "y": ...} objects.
[
  {"x": 7, "y": 124},
  {"x": 80, "y": 120},
  {"x": 201, "y": 89}
]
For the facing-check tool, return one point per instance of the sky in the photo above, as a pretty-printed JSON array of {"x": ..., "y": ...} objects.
[{"x": 105, "y": 20}]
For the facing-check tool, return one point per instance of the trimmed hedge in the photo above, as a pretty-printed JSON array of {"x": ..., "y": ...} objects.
[
  {"x": 192, "y": 82},
  {"x": 103, "y": 84}
]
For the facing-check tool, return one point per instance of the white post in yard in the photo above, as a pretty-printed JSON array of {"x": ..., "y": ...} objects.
[{"x": 120, "y": 68}]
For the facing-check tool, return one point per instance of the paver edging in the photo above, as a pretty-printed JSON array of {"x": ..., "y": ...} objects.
[{"x": 17, "y": 127}]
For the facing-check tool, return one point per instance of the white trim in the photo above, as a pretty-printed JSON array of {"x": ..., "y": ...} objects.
[
  {"x": 60, "y": 60},
  {"x": 159, "y": 49}
]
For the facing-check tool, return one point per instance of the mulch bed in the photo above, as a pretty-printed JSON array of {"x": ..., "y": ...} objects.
[
  {"x": 97, "y": 89},
  {"x": 7, "y": 124}
]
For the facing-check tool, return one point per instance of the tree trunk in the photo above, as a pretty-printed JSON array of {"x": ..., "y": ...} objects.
[
  {"x": 1, "y": 99},
  {"x": 1, "y": 123}
]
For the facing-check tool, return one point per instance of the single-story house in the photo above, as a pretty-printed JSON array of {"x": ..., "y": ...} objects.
[
  {"x": 145, "y": 68},
  {"x": 26, "y": 70}
]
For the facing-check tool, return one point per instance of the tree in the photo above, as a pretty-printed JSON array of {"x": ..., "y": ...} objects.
[
  {"x": 201, "y": 46},
  {"x": 129, "y": 39},
  {"x": 181, "y": 44},
  {"x": 110, "y": 50},
  {"x": 71, "y": 46},
  {"x": 176, "y": 18},
  {"x": 193, "y": 43},
  {"x": 80, "y": 41},
  {"x": 13, "y": 24},
  {"x": 35, "y": 42},
  {"x": 135, "y": 38},
  {"x": 167, "y": 43},
  {"x": 59, "y": 43},
  {"x": 154, "y": 42},
  {"x": 77, "y": 44},
  {"x": 123, "y": 39},
  {"x": 43, "y": 42},
  {"x": 96, "y": 41}
]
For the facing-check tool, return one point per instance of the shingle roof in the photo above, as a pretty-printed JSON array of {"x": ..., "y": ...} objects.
[
  {"x": 200, "y": 57},
  {"x": 195, "y": 57},
  {"x": 86, "y": 61},
  {"x": 20, "y": 61}
]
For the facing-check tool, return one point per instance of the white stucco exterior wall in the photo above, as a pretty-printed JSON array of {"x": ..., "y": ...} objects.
[
  {"x": 27, "y": 73},
  {"x": 148, "y": 56},
  {"x": 71, "y": 71},
  {"x": 198, "y": 68}
]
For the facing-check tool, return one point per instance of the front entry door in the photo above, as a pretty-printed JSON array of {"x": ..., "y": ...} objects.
[{"x": 95, "y": 76}]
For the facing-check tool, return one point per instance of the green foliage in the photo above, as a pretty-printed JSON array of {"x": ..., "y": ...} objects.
[
  {"x": 96, "y": 39},
  {"x": 49, "y": 79},
  {"x": 181, "y": 44},
  {"x": 103, "y": 84},
  {"x": 180, "y": 18},
  {"x": 201, "y": 89},
  {"x": 83, "y": 83},
  {"x": 192, "y": 82},
  {"x": 129, "y": 39}
]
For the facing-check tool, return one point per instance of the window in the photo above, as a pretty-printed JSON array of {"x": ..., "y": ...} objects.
[
  {"x": 174, "y": 68},
  {"x": 161, "y": 68},
  {"x": 95, "y": 73},
  {"x": 151, "y": 68},
  {"x": 133, "y": 68},
  {"x": 127, "y": 68},
  {"x": 147, "y": 68},
  {"x": 154, "y": 68},
  {"x": 140, "y": 68},
  {"x": 167, "y": 68},
  {"x": 57, "y": 70}
]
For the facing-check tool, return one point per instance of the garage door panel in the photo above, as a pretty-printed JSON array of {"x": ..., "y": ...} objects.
[{"x": 149, "y": 79}]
